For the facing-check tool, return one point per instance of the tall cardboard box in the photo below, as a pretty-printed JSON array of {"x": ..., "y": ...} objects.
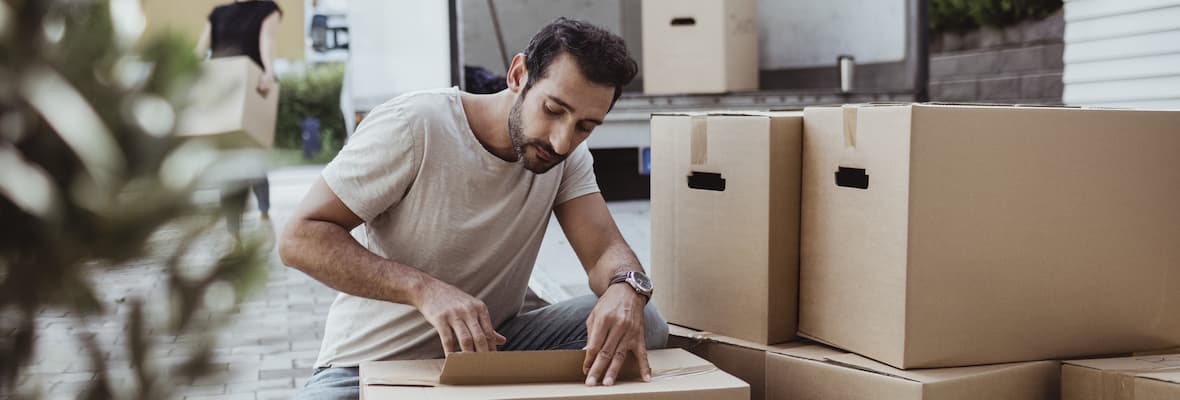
[
  {"x": 822, "y": 373},
  {"x": 226, "y": 108},
  {"x": 946, "y": 235},
  {"x": 1130, "y": 378},
  {"x": 725, "y": 222},
  {"x": 699, "y": 46},
  {"x": 676, "y": 374}
]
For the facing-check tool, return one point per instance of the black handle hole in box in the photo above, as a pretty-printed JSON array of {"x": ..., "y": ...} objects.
[
  {"x": 852, "y": 178},
  {"x": 684, "y": 21},
  {"x": 706, "y": 181}
]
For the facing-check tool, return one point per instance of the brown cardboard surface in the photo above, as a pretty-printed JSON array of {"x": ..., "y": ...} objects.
[
  {"x": 676, "y": 374},
  {"x": 716, "y": 53},
  {"x": 1125, "y": 378},
  {"x": 225, "y": 107},
  {"x": 1156, "y": 352},
  {"x": 820, "y": 372},
  {"x": 743, "y": 359},
  {"x": 534, "y": 367},
  {"x": 1080, "y": 383},
  {"x": 875, "y": 255},
  {"x": 990, "y": 234},
  {"x": 726, "y": 261},
  {"x": 802, "y": 379}
]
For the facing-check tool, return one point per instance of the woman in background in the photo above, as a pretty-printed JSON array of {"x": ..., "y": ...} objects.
[{"x": 244, "y": 28}]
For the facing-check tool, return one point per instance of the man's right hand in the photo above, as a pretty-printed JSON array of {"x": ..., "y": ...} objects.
[{"x": 461, "y": 320}]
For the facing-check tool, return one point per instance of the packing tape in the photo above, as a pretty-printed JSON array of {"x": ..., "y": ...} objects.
[
  {"x": 678, "y": 372},
  {"x": 850, "y": 112},
  {"x": 700, "y": 140}
]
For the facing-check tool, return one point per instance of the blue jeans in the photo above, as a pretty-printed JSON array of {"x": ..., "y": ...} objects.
[
  {"x": 556, "y": 327},
  {"x": 233, "y": 200}
]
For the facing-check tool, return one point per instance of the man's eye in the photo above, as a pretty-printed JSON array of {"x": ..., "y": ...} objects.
[{"x": 550, "y": 111}]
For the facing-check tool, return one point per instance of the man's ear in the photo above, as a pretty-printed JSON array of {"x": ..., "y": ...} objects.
[{"x": 518, "y": 75}]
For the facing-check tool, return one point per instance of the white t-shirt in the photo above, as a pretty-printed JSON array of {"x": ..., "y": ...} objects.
[{"x": 433, "y": 198}]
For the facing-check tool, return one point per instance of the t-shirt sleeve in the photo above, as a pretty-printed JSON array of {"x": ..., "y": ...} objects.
[
  {"x": 376, "y": 168},
  {"x": 577, "y": 178}
]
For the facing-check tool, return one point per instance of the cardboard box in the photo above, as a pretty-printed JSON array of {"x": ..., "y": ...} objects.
[
  {"x": 945, "y": 235},
  {"x": 818, "y": 372},
  {"x": 677, "y": 374},
  {"x": 725, "y": 222},
  {"x": 226, "y": 108},
  {"x": 1129, "y": 378},
  {"x": 699, "y": 46},
  {"x": 743, "y": 359}
]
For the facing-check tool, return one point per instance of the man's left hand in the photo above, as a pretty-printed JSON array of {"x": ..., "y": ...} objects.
[{"x": 615, "y": 331}]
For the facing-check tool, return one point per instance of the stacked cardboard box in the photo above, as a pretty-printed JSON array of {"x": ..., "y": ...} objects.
[
  {"x": 949, "y": 235},
  {"x": 699, "y": 46},
  {"x": 802, "y": 370},
  {"x": 947, "y": 246},
  {"x": 725, "y": 221},
  {"x": 1131, "y": 378}
]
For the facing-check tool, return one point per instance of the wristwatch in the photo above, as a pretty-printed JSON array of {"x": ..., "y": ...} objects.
[{"x": 638, "y": 281}]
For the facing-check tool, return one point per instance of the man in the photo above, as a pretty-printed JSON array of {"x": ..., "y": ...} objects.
[{"x": 455, "y": 191}]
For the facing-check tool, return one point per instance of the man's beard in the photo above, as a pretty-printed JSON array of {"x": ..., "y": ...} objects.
[{"x": 519, "y": 144}]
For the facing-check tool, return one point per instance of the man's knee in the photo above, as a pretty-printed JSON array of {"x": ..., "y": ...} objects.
[
  {"x": 331, "y": 384},
  {"x": 655, "y": 328}
]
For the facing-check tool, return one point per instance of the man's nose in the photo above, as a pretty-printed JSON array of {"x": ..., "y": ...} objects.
[{"x": 562, "y": 141}]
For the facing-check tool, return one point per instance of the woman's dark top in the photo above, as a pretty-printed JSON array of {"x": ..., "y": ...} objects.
[{"x": 235, "y": 28}]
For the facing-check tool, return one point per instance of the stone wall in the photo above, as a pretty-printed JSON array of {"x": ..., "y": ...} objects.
[{"x": 1017, "y": 64}]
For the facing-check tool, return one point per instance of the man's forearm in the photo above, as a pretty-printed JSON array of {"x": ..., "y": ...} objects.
[
  {"x": 328, "y": 253},
  {"x": 618, "y": 258}
]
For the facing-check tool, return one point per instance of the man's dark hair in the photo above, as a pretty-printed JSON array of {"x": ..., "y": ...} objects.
[{"x": 600, "y": 55}]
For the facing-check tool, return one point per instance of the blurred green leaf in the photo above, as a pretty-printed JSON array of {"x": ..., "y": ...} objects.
[{"x": 69, "y": 88}]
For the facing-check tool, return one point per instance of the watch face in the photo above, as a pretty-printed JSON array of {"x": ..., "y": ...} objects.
[{"x": 642, "y": 282}]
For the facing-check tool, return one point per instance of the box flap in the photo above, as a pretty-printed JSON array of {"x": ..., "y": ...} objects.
[
  {"x": 489, "y": 368},
  {"x": 809, "y": 352},
  {"x": 401, "y": 373},
  {"x": 702, "y": 336},
  {"x": 1131, "y": 364},
  {"x": 828, "y": 355},
  {"x": 506, "y": 367},
  {"x": 1170, "y": 376}
]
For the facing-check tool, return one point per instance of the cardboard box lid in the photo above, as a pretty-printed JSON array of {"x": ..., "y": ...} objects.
[
  {"x": 673, "y": 370},
  {"x": 1165, "y": 368},
  {"x": 828, "y": 355}
]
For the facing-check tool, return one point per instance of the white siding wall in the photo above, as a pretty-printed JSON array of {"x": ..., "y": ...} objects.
[{"x": 1122, "y": 53}]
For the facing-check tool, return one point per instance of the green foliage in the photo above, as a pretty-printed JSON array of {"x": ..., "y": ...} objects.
[
  {"x": 962, "y": 15},
  {"x": 92, "y": 177},
  {"x": 314, "y": 93}
]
